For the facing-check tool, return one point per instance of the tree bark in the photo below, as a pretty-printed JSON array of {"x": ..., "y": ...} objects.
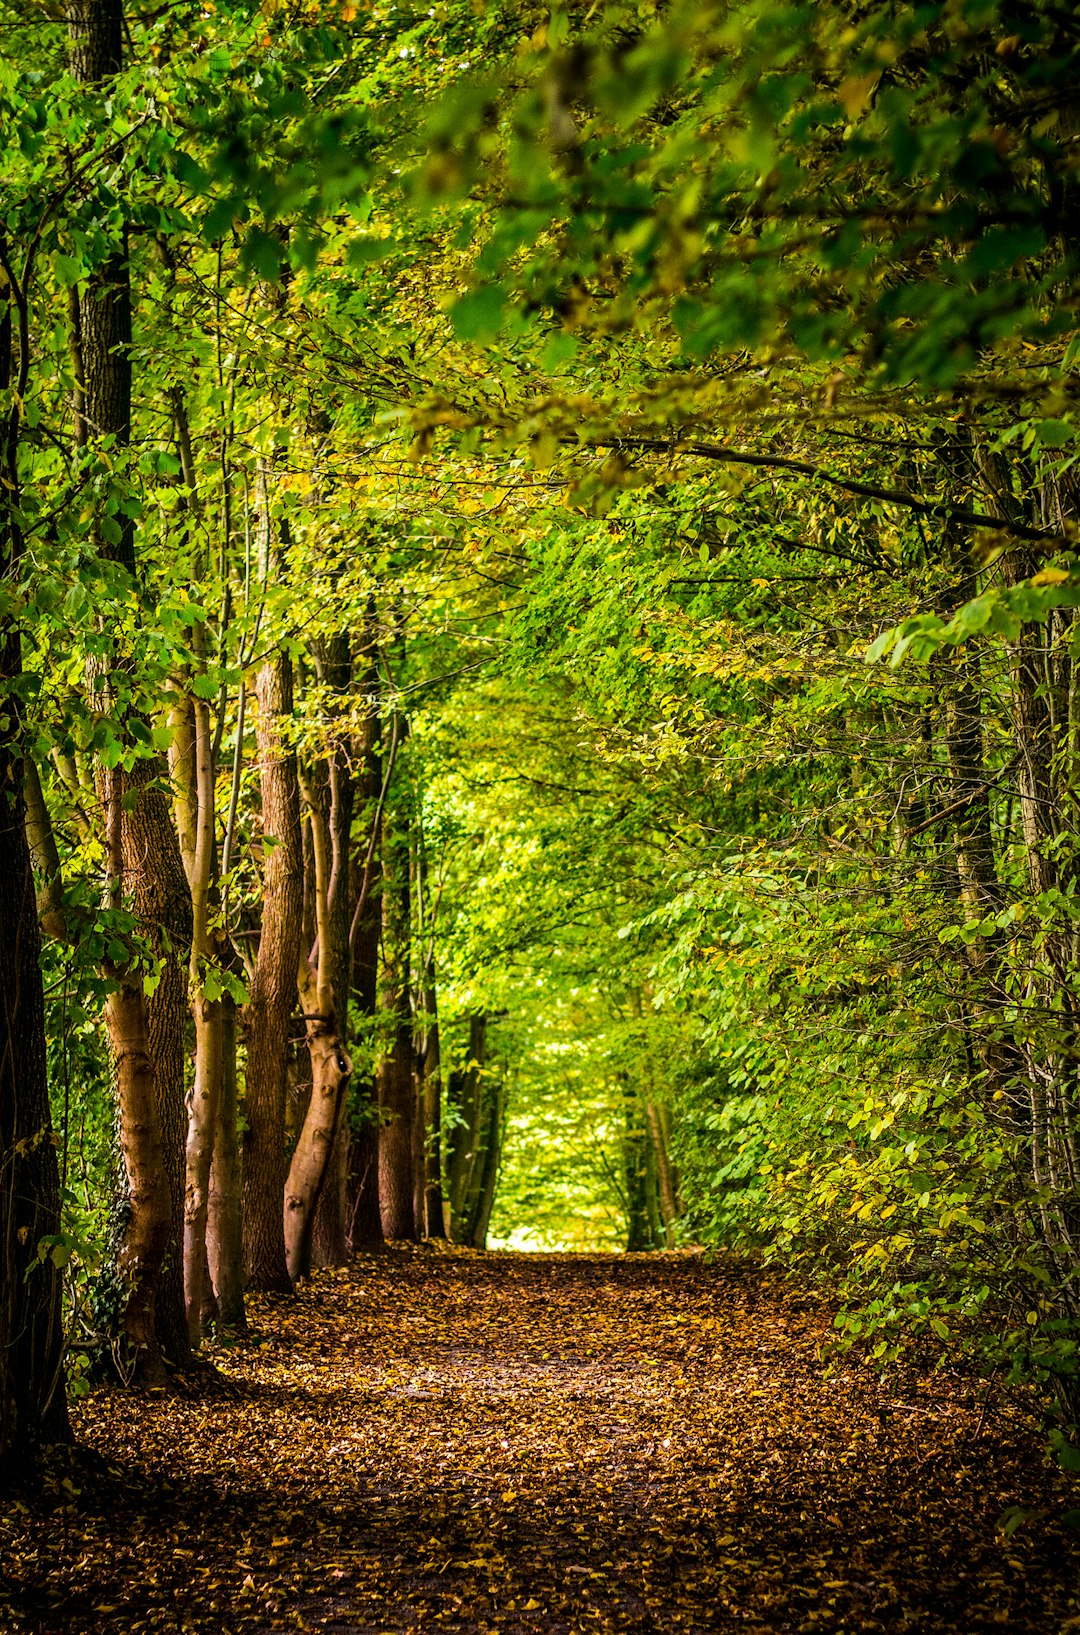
[
  {"x": 273, "y": 985},
  {"x": 32, "y": 1405},
  {"x": 397, "y": 1093},
  {"x": 667, "y": 1183},
  {"x": 636, "y": 1174},
  {"x": 491, "y": 1157},
  {"x": 33, "y": 1409},
  {"x": 330, "y": 1063},
  {"x": 363, "y": 1215},
  {"x": 195, "y": 811},
  {"x": 475, "y": 1097},
  {"x": 193, "y": 773},
  {"x": 329, "y": 1244},
  {"x": 431, "y": 1101},
  {"x": 101, "y": 340},
  {"x": 225, "y": 1210}
]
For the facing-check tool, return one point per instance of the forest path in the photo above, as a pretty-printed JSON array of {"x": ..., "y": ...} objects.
[{"x": 449, "y": 1441}]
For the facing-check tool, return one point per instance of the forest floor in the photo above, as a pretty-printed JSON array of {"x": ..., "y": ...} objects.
[{"x": 448, "y": 1441}]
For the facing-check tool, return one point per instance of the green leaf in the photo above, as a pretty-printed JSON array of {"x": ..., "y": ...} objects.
[
  {"x": 478, "y": 316},
  {"x": 262, "y": 254},
  {"x": 1067, "y": 1456},
  {"x": 68, "y": 271}
]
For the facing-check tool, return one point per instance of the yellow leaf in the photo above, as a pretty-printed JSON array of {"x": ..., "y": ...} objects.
[
  {"x": 855, "y": 93},
  {"x": 1050, "y": 576}
]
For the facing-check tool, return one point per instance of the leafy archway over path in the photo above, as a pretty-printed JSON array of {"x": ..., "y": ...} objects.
[{"x": 464, "y": 1442}]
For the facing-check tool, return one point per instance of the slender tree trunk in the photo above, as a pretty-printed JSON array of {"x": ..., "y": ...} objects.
[
  {"x": 490, "y": 1158},
  {"x": 334, "y": 667},
  {"x": 363, "y": 1215},
  {"x": 666, "y": 1182},
  {"x": 429, "y": 1204},
  {"x": 330, "y": 1064},
  {"x": 476, "y": 1101},
  {"x": 146, "y": 1238},
  {"x": 397, "y": 1093},
  {"x": 636, "y": 1174},
  {"x": 225, "y": 1209},
  {"x": 193, "y": 773},
  {"x": 101, "y": 340},
  {"x": 396, "y": 1104},
  {"x": 32, "y": 1406},
  {"x": 431, "y": 1100},
  {"x": 204, "y": 1102},
  {"x": 33, "y": 1409},
  {"x": 273, "y": 985}
]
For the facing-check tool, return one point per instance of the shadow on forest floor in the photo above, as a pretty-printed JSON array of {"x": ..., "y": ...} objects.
[{"x": 526, "y": 1443}]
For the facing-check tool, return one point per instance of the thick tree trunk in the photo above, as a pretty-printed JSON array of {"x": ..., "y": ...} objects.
[
  {"x": 273, "y": 985},
  {"x": 330, "y": 1234}
]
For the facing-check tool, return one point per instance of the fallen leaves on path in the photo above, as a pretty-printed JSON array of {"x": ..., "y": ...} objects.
[{"x": 463, "y": 1442}]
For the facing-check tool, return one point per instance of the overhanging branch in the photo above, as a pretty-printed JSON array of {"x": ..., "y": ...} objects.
[{"x": 922, "y": 506}]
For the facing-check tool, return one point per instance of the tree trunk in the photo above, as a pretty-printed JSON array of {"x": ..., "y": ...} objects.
[
  {"x": 322, "y": 975},
  {"x": 273, "y": 986},
  {"x": 334, "y": 668},
  {"x": 330, "y": 1234},
  {"x": 146, "y": 1238},
  {"x": 397, "y": 1093},
  {"x": 32, "y": 1406},
  {"x": 396, "y": 1105},
  {"x": 363, "y": 1215},
  {"x": 101, "y": 341},
  {"x": 636, "y": 1174},
  {"x": 476, "y": 1102},
  {"x": 490, "y": 1158},
  {"x": 431, "y": 1101},
  {"x": 193, "y": 772},
  {"x": 666, "y": 1181},
  {"x": 225, "y": 1210},
  {"x": 33, "y": 1409},
  {"x": 429, "y": 1207}
]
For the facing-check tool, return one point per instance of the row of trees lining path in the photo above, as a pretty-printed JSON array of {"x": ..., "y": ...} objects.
[
  {"x": 539, "y": 698},
  {"x": 465, "y": 1442}
]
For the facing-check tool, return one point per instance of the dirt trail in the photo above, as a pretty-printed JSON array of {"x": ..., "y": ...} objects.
[{"x": 448, "y": 1441}]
